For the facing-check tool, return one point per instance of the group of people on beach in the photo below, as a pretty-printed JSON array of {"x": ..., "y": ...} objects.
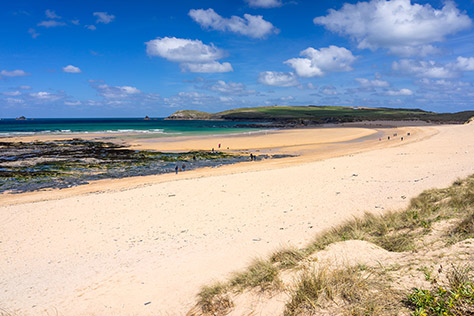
[
  {"x": 183, "y": 168},
  {"x": 395, "y": 134}
]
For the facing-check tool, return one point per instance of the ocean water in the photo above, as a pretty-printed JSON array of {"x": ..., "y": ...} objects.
[{"x": 154, "y": 126}]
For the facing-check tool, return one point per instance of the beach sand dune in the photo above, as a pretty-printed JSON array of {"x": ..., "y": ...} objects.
[{"x": 145, "y": 246}]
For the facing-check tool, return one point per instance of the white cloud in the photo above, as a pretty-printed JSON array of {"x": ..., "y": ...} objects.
[
  {"x": 72, "y": 103},
  {"x": 210, "y": 67},
  {"x": 457, "y": 95},
  {"x": 92, "y": 103},
  {"x": 278, "y": 79},
  {"x": 14, "y": 73},
  {"x": 103, "y": 17},
  {"x": 251, "y": 25},
  {"x": 15, "y": 101},
  {"x": 193, "y": 55},
  {"x": 400, "y": 92},
  {"x": 183, "y": 50},
  {"x": 285, "y": 100},
  {"x": 228, "y": 88},
  {"x": 51, "y": 23},
  {"x": 72, "y": 69},
  {"x": 311, "y": 86},
  {"x": 51, "y": 14},
  {"x": 12, "y": 93},
  {"x": 90, "y": 27},
  {"x": 376, "y": 83},
  {"x": 424, "y": 69},
  {"x": 116, "y": 92},
  {"x": 464, "y": 64},
  {"x": 264, "y": 3},
  {"x": 45, "y": 96},
  {"x": 118, "y": 96},
  {"x": 24, "y": 88},
  {"x": 407, "y": 51},
  {"x": 75, "y": 22},
  {"x": 33, "y": 33},
  {"x": 201, "y": 100},
  {"x": 329, "y": 90},
  {"x": 442, "y": 85},
  {"x": 190, "y": 98},
  {"x": 318, "y": 62},
  {"x": 399, "y": 26},
  {"x": 226, "y": 99}
]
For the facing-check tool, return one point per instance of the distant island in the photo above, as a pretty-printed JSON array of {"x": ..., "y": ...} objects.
[{"x": 315, "y": 115}]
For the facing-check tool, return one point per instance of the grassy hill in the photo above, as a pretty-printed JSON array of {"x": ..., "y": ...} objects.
[{"x": 322, "y": 114}]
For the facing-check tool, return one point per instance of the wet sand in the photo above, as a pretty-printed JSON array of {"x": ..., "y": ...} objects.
[{"x": 144, "y": 246}]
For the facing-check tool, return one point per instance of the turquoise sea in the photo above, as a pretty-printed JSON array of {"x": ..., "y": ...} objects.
[{"x": 153, "y": 126}]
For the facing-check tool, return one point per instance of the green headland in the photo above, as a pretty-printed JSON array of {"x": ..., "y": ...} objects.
[{"x": 313, "y": 115}]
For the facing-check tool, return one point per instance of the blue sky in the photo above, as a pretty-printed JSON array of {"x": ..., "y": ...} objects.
[{"x": 137, "y": 58}]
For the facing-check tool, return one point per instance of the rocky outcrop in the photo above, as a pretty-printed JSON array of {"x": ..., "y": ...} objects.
[{"x": 189, "y": 115}]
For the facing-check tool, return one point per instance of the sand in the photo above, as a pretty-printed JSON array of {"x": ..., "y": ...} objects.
[{"x": 144, "y": 246}]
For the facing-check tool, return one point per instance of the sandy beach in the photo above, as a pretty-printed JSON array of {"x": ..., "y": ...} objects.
[{"x": 145, "y": 245}]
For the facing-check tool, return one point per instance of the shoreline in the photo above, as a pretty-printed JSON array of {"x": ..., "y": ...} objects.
[
  {"x": 303, "y": 153},
  {"x": 42, "y": 136},
  {"x": 159, "y": 239}
]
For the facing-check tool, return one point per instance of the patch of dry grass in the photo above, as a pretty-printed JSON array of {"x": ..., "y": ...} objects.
[
  {"x": 214, "y": 299},
  {"x": 351, "y": 290},
  {"x": 397, "y": 231},
  {"x": 287, "y": 258},
  {"x": 260, "y": 273},
  {"x": 463, "y": 230},
  {"x": 393, "y": 231}
]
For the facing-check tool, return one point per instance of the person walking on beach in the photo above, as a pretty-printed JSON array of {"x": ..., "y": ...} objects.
[
  {"x": 183, "y": 167},
  {"x": 176, "y": 169}
]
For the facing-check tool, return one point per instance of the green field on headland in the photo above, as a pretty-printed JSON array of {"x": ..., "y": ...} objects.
[{"x": 323, "y": 114}]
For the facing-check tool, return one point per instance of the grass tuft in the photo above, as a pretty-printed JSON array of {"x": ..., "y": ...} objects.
[
  {"x": 463, "y": 230},
  {"x": 287, "y": 258},
  {"x": 398, "y": 231},
  {"x": 214, "y": 300},
  {"x": 260, "y": 273},
  {"x": 397, "y": 242},
  {"x": 352, "y": 291}
]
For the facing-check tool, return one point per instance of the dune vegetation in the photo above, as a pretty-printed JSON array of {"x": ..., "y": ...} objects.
[{"x": 432, "y": 241}]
